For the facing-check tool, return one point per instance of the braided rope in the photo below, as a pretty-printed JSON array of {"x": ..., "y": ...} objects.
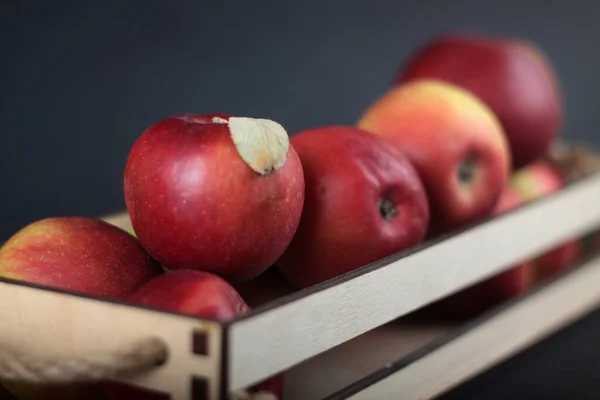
[{"x": 134, "y": 358}]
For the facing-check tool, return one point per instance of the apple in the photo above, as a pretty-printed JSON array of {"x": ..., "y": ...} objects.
[
  {"x": 455, "y": 142},
  {"x": 363, "y": 201},
  {"x": 559, "y": 259},
  {"x": 484, "y": 295},
  {"x": 490, "y": 292},
  {"x": 512, "y": 76},
  {"x": 533, "y": 182},
  {"x": 197, "y": 293},
  {"x": 214, "y": 193},
  {"x": 79, "y": 254},
  {"x": 509, "y": 200},
  {"x": 200, "y": 294}
]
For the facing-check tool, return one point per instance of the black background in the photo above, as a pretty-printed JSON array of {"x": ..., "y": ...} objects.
[{"x": 81, "y": 80}]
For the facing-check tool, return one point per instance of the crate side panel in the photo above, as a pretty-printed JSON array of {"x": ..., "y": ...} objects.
[
  {"x": 52, "y": 325},
  {"x": 278, "y": 338},
  {"x": 507, "y": 333},
  {"x": 121, "y": 220}
]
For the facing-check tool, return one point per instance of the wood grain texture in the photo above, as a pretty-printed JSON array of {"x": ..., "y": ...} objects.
[
  {"x": 270, "y": 341},
  {"x": 53, "y": 324},
  {"x": 505, "y": 334}
]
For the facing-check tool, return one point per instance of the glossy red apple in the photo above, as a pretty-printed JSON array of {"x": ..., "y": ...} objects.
[
  {"x": 512, "y": 76},
  {"x": 363, "y": 201},
  {"x": 455, "y": 142},
  {"x": 214, "y": 193},
  {"x": 200, "y": 294},
  {"x": 196, "y": 293}
]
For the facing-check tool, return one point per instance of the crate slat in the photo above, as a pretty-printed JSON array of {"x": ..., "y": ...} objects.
[
  {"x": 342, "y": 366},
  {"x": 273, "y": 338},
  {"x": 495, "y": 339}
]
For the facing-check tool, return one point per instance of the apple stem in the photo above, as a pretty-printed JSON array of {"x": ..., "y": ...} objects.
[
  {"x": 466, "y": 170},
  {"x": 387, "y": 209}
]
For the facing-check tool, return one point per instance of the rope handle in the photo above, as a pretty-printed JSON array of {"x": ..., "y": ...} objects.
[{"x": 136, "y": 357}]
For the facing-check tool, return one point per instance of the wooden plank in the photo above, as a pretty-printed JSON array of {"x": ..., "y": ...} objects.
[
  {"x": 121, "y": 220},
  {"x": 51, "y": 324},
  {"x": 314, "y": 379},
  {"x": 274, "y": 338},
  {"x": 503, "y": 335}
]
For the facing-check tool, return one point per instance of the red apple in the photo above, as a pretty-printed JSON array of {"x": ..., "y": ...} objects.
[
  {"x": 508, "y": 201},
  {"x": 196, "y": 293},
  {"x": 537, "y": 180},
  {"x": 501, "y": 287},
  {"x": 559, "y": 259},
  {"x": 200, "y": 294},
  {"x": 483, "y": 296},
  {"x": 79, "y": 254},
  {"x": 512, "y": 76},
  {"x": 363, "y": 201},
  {"x": 455, "y": 142},
  {"x": 214, "y": 193}
]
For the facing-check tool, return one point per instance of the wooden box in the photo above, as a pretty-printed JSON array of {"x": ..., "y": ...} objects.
[{"x": 354, "y": 337}]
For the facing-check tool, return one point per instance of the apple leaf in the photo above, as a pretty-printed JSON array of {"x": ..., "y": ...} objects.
[{"x": 263, "y": 144}]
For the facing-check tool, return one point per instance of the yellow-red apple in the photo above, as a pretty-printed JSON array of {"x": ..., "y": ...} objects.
[
  {"x": 214, "y": 193},
  {"x": 79, "y": 254},
  {"x": 512, "y": 76},
  {"x": 363, "y": 201},
  {"x": 200, "y": 294},
  {"x": 455, "y": 142},
  {"x": 535, "y": 181}
]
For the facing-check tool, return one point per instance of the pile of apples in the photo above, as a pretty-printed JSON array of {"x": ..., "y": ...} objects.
[{"x": 216, "y": 200}]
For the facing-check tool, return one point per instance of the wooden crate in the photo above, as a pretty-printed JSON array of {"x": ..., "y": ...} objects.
[{"x": 354, "y": 337}]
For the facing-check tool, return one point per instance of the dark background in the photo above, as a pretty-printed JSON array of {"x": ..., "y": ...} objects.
[{"x": 81, "y": 80}]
